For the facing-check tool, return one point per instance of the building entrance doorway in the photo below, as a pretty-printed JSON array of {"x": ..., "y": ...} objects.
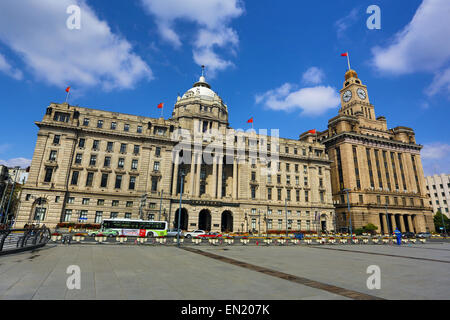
[{"x": 204, "y": 220}]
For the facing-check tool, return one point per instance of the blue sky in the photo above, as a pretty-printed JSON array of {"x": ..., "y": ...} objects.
[{"x": 276, "y": 61}]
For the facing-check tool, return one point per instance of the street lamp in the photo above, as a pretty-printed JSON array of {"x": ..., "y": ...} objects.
[
  {"x": 179, "y": 211},
  {"x": 349, "y": 214}
]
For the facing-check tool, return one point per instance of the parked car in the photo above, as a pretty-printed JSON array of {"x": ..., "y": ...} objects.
[
  {"x": 108, "y": 233},
  {"x": 174, "y": 232},
  {"x": 423, "y": 235},
  {"x": 195, "y": 233},
  {"x": 211, "y": 235},
  {"x": 408, "y": 235}
]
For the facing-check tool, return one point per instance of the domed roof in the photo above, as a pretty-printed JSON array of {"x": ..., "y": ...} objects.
[{"x": 201, "y": 89}]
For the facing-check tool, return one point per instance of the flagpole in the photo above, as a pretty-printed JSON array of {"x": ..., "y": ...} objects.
[
  {"x": 348, "y": 60},
  {"x": 67, "y": 96}
]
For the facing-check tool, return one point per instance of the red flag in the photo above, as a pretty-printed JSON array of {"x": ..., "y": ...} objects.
[
  {"x": 160, "y": 105},
  {"x": 344, "y": 54},
  {"x": 250, "y": 120},
  {"x": 313, "y": 131},
  {"x": 68, "y": 89}
]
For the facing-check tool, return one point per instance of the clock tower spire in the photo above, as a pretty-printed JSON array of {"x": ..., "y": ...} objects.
[{"x": 354, "y": 97}]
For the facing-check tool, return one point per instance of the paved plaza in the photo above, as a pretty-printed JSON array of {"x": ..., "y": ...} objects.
[{"x": 228, "y": 272}]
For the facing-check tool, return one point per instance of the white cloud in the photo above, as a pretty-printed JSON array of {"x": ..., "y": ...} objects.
[
  {"x": 435, "y": 158},
  {"x": 6, "y": 68},
  {"x": 422, "y": 46},
  {"x": 346, "y": 22},
  {"x": 313, "y": 76},
  {"x": 211, "y": 19},
  {"x": 21, "y": 162},
  {"x": 91, "y": 56},
  {"x": 311, "y": 101}
]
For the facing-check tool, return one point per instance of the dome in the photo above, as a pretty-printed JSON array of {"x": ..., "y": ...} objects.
[{"x": 200, "y": 89}]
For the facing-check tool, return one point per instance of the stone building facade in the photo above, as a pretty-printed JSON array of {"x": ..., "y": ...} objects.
[
  {"x": 379, "y": 167},
  {"x": 90, "y": 165},
  {"x": 438, "y": 189}
]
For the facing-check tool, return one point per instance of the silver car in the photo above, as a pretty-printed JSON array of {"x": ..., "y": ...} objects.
[{"x": 174, "y": 233}]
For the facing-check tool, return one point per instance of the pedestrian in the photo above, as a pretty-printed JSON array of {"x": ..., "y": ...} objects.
[{"x": 398, "y": 234}]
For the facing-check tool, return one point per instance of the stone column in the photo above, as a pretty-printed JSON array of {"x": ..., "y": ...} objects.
[
  {"x": 410, "y": 224},
  {"x": 197, "y": 178},
  {"x": 235, "y": 178},
  {"x": 384, "y": 222},
  {"x": 214, "y": 173},
  {"x": 192, "y": 177},
  {"x": 393, "y": 224},
  {"x": 175, "y": 175},
  {"x": 220, "y": 182},
  {"x": 402, "y": 223}
]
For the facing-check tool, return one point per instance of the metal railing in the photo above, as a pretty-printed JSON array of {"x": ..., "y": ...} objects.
[{"x": 17, "y": 240}]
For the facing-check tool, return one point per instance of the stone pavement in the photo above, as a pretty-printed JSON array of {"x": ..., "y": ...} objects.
[{"x": 166, "y": 272}]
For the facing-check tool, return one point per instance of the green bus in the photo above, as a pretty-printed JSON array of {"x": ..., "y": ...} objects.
[{"x": 141, "y": 228}]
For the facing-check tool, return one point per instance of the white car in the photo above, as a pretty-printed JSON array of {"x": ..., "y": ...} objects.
[{"x": 194, "y": 233}]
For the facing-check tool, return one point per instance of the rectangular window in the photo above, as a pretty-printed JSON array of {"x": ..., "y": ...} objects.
[
  {"x": 118, "y": 181},
  {"x": 123, "y": 148},
  {"x": 70, "y": 200},
  {"x": 158, "y": 151},
  {"x": 85, "y": 122},
  {"x": 132, "y": 183},
  {"x": 78, "y": 158},
  {"x": 83, "y": 215},
  {"x": 129, "y": 204},
  {"x": 100, "y": 124},
  {"x": 136, "y": 149},
  {"x": 306, "y": 196},
  {"x": 61, "y": 117},
  {"x": 369, "y": 164},
  {"x": 115, "y": 203},
  {"x": 74, "y": 180},
  {"x": 107, "y": 162},
  {"x": 279, "y": 194},
  {"x": 269, "y": 224},
  {"x": 109, "y": 146},
  {"x": 95, "y": 144},
  {"x": 57, "y": 199},
  {"x": 134, "y": 164},
  {"x": 155, "y": 185},
  {"x": 98, "y": 216},
  {"x": 89, "y": 179},
  {"x": 339, "y": 166},
  {"x": 121, "y": 163},
  {"x": 81, "y": 143},
  {"x": 288, "y": 195},
  {"x": 52, "y": 156},
  {"x": 48, "y": 174},
  {"x": 113, "y": 125},
  {"x": 156, "y": 166},
  {"x": 139, "y": 129},
  {"x": 127, "y": 215},
  {"x": 114, "y": 215},
  {"x": 297, "y": 195},
  {"x": 93, "y": 160},
  {"x": 101, "y": 202},
  {"x": 67, "y": 215},
  {"x": 56, "y": 139},
  {"x": 104, "y": 181},
  {"x": 288, "y": 179},
  {"x": 85, "y": 201},
  {"x": 377, "y": 162},
  {"x": 269, "y": 194},
  {"x": 280, "y": 224},
  {"x": 355, "y": 162},
  {"x": 126, "y": 127}
]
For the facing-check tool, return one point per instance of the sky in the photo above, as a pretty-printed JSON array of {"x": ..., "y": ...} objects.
[{"x": 276, "y": 61}]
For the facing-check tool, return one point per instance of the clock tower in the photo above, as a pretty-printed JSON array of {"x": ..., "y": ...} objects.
[{"x": 354, "y": 97}]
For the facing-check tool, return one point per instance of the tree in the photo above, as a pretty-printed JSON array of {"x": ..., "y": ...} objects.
[{"x": 438, "y": 217}]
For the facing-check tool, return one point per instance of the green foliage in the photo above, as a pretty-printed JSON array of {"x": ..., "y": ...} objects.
[
  {"x": 438, "y": 217},
  {"x": 369, "y": 228}
]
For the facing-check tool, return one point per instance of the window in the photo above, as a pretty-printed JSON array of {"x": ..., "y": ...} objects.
[
  {"x": 101, "y": 202},
  {"x": 78, "y": 158},
  {"x": 361, "y": 199},
  {"x": 289, "y": 224},
  {"x": 85, "y": 201},
  {"x": 139, "y": 129},
  {"x": 123, "y": 148},
  {"x": 308, "y": 225},
  {"x": 57, "y": 199},
  {"x": 61, "y": 117},
  {"x": 280, "y": 212},
  {"x": 83, "y": 215},
  {"x": 299, "y": 224},
  {"x": 253, "y": 176},
  {"x": 98, "y": 216},
  {"x": 70, "y": 200},
  {"x": 295, "y": 151},
  {"x": 304, "y": 152},
  {"x": 320, "y": 183},
  {"x": 115, "y": 203},
  {"x": 288, "y": 179},
  {"x": 121, "y": 163},
  {"x": 297, "y": 195},
  {"x": 288, "y": 167},
  {"x": 269, "y": 194},
  {"x": 89, "y": 179},
  {"x": 126, "y": 127},
  {"x": 136, "y": 149},
  {"x": 378, "y": 200},
  {"x": 320, "y": 170},
  {"x": 93, "y": 160},
  {"x": 322, "y": 198},
  {"x": 134, "y": 164},
  {"x": 52, "y": 156},
  {"x": 74, "y": 180},
  {"x": 113, "y": 125},
  {"x": 104, "y": 180},
  {"x": 305, "y": 169},
  {"x": 132, "y": 183},
  {"x": 269, "y": 211},
  {"x": 158, "y": 151},
  {"x": 56, "y": 139},
  {"x": 129, "y": 204},
  {"x": 67, "y": 215},
  {"x": 48, "y": 174},
  {"x": 155, "y": 184},
  {"x": 127, "y": 215},
  {"x": 85, "y": 122},
  {"x": 306, "y": 196},
  {"x": 118, "y": 181},
  {"x": 305, "y": 180},
  {"x": 81, "y": 143},
  {"x": 114, "y": 215},
  {"x": 156, "y": 166},
  {"x": 296, "y": 167},
  {"x": 286, "y": 149},
  {"x": 100, "y": 124},
  {"x": 95, "y": 144},
  {"x": 109, "y": 146},
  {"x": 279, "y": 178},
  {"x": 107, "y": 162},
  {"x": 297, "y": 180},
  {"x": 253, "y": 190},
  {"x": 280, "y": 224},
  {"x": 269, "y": 224},
  {"x": 288, "y": 195},
  {"x": 279, "y": 194}
]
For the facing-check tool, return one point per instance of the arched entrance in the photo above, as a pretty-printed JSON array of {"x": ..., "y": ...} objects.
[
  {"x": 183, "y": 220},
  {"x": 204, "y": 220},
  {"x": 227, "y": 221}
]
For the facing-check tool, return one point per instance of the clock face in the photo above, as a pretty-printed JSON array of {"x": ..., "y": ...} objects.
[
  {"x": 361, "y": 94},
  {"x": 347, "y": 96}
]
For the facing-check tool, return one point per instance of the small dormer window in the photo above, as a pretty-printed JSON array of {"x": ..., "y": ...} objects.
[
  {"x": 358, "y": 82},
  {"x": 347, "y": 83}
]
